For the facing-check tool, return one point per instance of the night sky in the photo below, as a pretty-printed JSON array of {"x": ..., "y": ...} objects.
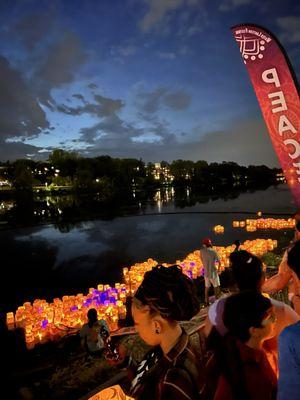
[{"x": 156, "y": 79}]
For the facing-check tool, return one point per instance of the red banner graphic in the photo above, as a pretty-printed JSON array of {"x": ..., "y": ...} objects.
[{"x": 277, "y": 93}]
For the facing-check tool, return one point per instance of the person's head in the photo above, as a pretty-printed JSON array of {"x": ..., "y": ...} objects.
[
  {"x": 92, "y": 316},
  {"x": 293, "y": 259},
  {"x": 247, "y": 270},
  {"x": 207, "y": 242},
  {"x": 237, "y": 243},
  {"x": 165, "y": 297},
  {"x": 249, "y": 315}
]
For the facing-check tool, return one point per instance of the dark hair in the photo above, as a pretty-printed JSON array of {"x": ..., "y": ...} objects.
[
  {"x": 168, "y": 292},
  {"x": 237, "y": 243},
  {"x": 241, "y": 312},
  {"x": 244, "y": 310},
  {"x": 92, "y": 316},
  {"x": 293, "y": 259},
  {"x": 247, "y": 270}
]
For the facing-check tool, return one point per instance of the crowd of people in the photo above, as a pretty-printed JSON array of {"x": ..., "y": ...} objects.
[{"x": 252, "y": 340}]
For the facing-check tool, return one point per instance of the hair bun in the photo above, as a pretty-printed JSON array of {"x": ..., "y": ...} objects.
[{"x": 169, "y": 292}]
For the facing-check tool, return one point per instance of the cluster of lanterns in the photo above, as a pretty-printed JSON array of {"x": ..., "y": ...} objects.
[
  {"x": 43, "y": 321},
  {"x": 251, "y": 225},
  {"x": 219, "y": 229}
]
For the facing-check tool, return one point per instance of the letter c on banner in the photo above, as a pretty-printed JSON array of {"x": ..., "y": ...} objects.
[{"x": 296, "y": 145}]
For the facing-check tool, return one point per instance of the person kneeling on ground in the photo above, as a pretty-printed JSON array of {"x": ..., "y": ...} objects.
[
  {"x": 92, "y": 333},
  {"x": 245, "y": 371},
  {"x": 172, "y": 369}
]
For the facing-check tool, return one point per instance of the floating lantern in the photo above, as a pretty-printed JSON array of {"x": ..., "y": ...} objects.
[
  {"x": 43, "y": 321},
  {"x": 219, "y": 229},
  {"x": 265, "y": 223}
]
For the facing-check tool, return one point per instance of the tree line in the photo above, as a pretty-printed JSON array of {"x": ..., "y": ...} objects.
[{"x": 107, "y": 174}]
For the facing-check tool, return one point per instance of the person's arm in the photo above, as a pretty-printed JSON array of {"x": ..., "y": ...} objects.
[
  {"x": 280, "y": 280},
  {"x": 207, "y": 326}
]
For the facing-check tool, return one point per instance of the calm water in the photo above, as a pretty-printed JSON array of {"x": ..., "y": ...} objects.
[{"x": 50, "y": 260}]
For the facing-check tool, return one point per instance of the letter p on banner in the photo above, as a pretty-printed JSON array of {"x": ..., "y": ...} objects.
[{"x": 277, "y": 92}]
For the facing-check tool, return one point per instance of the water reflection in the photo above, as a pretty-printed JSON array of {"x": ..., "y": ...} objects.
[
  {"x": 90, "y": 241},
  {"x": 64, "y": 211}
]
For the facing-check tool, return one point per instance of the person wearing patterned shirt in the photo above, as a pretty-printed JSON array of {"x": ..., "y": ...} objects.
[{"x": 172, "y": 369}]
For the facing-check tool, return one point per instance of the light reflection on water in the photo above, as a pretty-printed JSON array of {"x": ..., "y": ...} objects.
[{"x": 46, "y": 261}]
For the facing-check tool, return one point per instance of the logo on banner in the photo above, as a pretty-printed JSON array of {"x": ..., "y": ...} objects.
[{"x": 252, "y": 44}]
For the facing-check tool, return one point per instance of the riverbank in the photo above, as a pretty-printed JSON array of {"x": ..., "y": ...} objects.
[{"x": 64, "y": 371}]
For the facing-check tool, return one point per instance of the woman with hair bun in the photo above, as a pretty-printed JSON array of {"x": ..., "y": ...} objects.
[{"x": 171, "y": 370}]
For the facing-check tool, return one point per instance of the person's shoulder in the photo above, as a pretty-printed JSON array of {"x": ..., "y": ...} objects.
[
  {"x": 290, "y": 332},
  {"x": 216, "y": 308},
  {"x": 281, "y": 307},
  {"x": 83, "y": 329}
]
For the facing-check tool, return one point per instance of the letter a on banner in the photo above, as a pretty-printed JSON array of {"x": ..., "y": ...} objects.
[{"x": 277, "y": 92}]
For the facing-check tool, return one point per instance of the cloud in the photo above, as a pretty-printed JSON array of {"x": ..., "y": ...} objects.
[
  {"x": 156, "y": 12},
  {"x": 34, "y": 27},
  {"x": 103, "y": 107},
  {"x": 178, "y": 100},
  {"x": 247, "y": 143},
  {"x": 151, "y": 102},
  {"x": 229, "y": 5},
  {"x": 20, "y": 113},
  {"x": 92, "y": 86},
  {"x": 291, "y": 29},
  {"x": 17, "y": 150},
  {"x": 127, "y": 50},
  {"x": 62, "y": 60},
  {"x": 78, "y": 96},
  {"x": 167, "y": 55},
  {"x": 112, "y": 131}
]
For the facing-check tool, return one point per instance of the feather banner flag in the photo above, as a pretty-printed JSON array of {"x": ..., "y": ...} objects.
[{"x": 277, "y": 92}]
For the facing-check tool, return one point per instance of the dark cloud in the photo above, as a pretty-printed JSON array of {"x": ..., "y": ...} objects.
[
  {"x": 247, "y": 143},
  {"x": 290, "y": 26},
  {"x": 151, "y": 102},
  {"x": 158, "y": 15},
  {"x": 92, "y": 86},
  {"x": 33, "y": 28},
  {"x": 16, "y": 150},
  {"x": 61, "y": 62},
  {"x": 178, "y": 100},
  {"x": 20, "y": 112},
  {"x": 229, "y": 5},
  {"x": 78, "y": 96},
  {"x": 110, "y": 132},
  {"x": 104, "y": 107}
]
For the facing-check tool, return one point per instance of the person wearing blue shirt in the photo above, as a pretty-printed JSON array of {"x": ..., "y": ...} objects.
[
  {"x": 289, "y": 363},
  {"x": 289, "y": 344}
]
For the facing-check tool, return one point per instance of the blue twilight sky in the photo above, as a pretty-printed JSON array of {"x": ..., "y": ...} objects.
[{"x": 156, "y": 79}]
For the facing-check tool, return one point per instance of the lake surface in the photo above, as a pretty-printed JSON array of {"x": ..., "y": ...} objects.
[{"x": 51, "y": 260}]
